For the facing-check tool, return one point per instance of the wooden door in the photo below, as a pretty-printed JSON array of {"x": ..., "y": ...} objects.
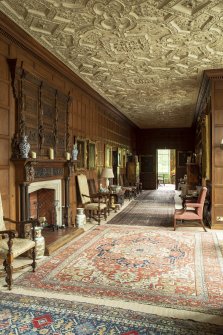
[{"x": 148, "y": 171}]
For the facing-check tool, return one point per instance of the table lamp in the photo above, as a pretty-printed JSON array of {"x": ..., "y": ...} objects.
[{"x": 107, "y": 173}]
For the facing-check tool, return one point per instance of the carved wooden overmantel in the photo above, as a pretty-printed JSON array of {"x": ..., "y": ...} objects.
[{"x": 41, "y": 114}]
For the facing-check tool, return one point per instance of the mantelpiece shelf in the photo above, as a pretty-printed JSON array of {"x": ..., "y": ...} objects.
[{"x": 30, "y": 169}]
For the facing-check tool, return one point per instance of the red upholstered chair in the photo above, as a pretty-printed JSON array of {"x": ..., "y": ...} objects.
[{"x": 193, "y": 211}]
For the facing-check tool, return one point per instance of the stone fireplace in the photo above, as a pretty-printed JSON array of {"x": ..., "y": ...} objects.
[{"x": 33, "y": 175}]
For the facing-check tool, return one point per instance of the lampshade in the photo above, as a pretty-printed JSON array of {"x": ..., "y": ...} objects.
[{"x": 107, "y": 173}]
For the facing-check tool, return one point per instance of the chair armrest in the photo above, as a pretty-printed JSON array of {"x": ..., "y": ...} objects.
[
  {"x": 101, "y": 195},
  {"x": 85, "y": 195},
  {"x": 33, "y": 222},
  {"x": 11, "y": 233},
  {"x": 193, "y": 204}
]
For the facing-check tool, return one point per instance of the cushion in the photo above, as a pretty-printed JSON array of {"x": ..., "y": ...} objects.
[
  {"x": 186, "y": 215},
  {"x": 2, "y": 223},
  {"x": 20, "y": 245},
  {"x": 94, "y": 206}
]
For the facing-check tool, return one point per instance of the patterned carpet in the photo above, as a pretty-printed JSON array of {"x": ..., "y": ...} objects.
[
  {"x": 137, "y": 264},
  {"x": 31, "y": 315},
  {"x": 151, "y": 208},
  {"x": 158, "y": 196}
]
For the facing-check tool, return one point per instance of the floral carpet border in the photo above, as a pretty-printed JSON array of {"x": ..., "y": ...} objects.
[{"x": 21, "y": 314}]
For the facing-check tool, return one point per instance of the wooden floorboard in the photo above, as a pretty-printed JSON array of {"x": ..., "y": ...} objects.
[{"x": 57, "y": 238}]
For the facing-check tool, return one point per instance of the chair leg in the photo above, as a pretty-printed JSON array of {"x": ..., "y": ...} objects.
[
  {"x": 90, "y": 215},
  {"x": 9, "y": 270},
  {"x": 202, "y": 223},
  {"x": 174, "y": 224},
  {"x": 105, "y": 214},
  {"x": 34, "y": 259}
]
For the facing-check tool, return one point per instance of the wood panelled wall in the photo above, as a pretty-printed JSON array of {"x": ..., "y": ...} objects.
[
  {"x": 6, "y": 129},
  {"x": 217, "y": 153},
  {"x": 91, "y": 117},
  {"x": 210, "y": 103},
  {"x": 149, "y": 140}
]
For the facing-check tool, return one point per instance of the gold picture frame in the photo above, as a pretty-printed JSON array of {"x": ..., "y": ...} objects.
[
  {"x": 120, "y": 157},
  {"x": 82, "y": 153},
  {"x": 91, "y": 155},
  {"x": 108, "y": 155},
  {"x": 124, "y": 158}
]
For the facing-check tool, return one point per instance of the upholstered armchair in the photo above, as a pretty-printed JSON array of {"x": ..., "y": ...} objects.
[
  {"x": 94, "y": 193},
  {"x": 94, "y": 205},
  {"x": 130, "y": 191},
  {"x": 192, "y": 211},
  {"x": 12, "y": 246}
]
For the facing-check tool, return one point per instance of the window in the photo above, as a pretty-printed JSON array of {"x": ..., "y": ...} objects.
[{"x": 164, "y": 161}]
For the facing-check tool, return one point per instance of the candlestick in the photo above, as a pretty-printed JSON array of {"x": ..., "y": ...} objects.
[
  {"x": 51, "y": 152},
  {"x": 68, "y": 156},
  {"x": 33, "y": 154}
]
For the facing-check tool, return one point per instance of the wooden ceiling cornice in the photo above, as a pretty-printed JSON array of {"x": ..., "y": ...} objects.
[{"x": 204, "y": 92}]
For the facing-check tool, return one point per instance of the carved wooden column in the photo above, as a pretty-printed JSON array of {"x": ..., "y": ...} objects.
[
  {"x": 67, "y": 200},
  {"x": 23, "y": 197},
  {"x": 69, "y": 171}
]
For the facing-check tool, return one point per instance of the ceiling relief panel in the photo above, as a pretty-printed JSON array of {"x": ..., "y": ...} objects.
[{"x": 145, "y": 57}]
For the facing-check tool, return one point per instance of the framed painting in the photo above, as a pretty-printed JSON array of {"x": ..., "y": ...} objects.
[
  {"x": 82, "y": 153},
  {"x": 183, "y": 157},
  {"x": 108, "y": 155},
  {"x": 123, "y": 158},
  {"x": 120, "y": 157},
  {"x": 91, "y": 155}
]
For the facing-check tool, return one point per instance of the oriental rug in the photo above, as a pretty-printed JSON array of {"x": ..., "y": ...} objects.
[
  {"x": 157, "y": 196},
  {"x": 20, "y": 314},
  {"x": 181, "y": 270},
  {"x": 151, "y": 208}
]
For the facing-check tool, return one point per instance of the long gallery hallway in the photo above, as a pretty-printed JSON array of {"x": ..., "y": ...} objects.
[{"x": 120, "y": 278}]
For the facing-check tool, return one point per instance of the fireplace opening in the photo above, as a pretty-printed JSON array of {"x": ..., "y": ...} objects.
[
  {"x": 45, "y": 203},
  {"x": 43, "y": 206}
]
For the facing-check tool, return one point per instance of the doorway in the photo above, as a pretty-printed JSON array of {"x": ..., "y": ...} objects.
[{"x": 166, "y": 168}]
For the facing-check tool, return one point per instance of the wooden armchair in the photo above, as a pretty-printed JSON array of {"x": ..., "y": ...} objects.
[
  {"x": 94, "y": 193},
  {"x": 130, "y": 191},
  {"x": 192, "y": 211},
  {"x": 12, "y": 246},
  {"x": 92, "y": 209}
]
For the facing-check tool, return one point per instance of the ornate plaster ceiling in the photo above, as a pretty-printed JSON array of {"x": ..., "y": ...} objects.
[{"x": 145, "y": 57}]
